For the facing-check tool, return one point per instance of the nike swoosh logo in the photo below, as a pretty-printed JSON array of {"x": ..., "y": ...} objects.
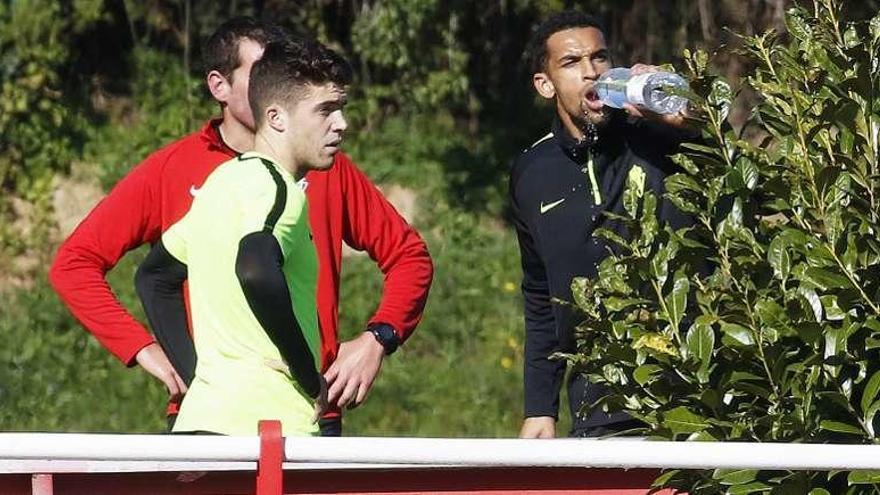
[
  {"x": 193, "y": 190},
  {"x": 550, "y": 206}
]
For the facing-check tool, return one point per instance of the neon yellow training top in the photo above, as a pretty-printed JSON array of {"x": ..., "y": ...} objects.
[{"x": 240, "y": 378}]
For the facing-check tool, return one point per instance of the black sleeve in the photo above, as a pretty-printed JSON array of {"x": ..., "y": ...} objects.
[
  {"x": 542, "y": 378},
  {"x": 259, "y": 267},
  {"x": 159, "y": 283}
]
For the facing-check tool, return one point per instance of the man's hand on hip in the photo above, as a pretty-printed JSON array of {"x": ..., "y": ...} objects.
[
  {"x": 321, "y": 404},
  {"x": 153, "y": 359},
  {"x": 538, "y": 427},
  {"x": 351, "y": 376}
]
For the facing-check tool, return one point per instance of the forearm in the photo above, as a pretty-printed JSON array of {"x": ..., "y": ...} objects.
[
  {"x": 259, "y": 268},
  {"x": 407, "y": 283},
  {"x": 78, "y": 278},
  {"x": 159, "y": 282},
  {"x": 542, "y": 377}
]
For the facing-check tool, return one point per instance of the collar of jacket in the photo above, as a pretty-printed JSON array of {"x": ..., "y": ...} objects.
[
  {"x": 602, "y": 138},
  {"x": 211, "y": 134}
]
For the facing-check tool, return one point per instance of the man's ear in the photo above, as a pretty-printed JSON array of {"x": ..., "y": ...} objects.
[
  {"x": 543, "y": 85},
  {"x": 276, "y": 117},
  {"x": 219, "y": 86}
]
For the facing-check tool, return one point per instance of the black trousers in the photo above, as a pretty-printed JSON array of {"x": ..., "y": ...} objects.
[
  {"x": 591, "y": 424},
  {"x": 331, "y": 427}
]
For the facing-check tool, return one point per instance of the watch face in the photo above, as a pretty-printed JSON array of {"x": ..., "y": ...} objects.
[
  {"x": 386, "y": 333},
  {"x": 386, "y": 336}
]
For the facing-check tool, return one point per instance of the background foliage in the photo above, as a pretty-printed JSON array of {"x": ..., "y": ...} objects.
[
  {"x": 777, "y": 339},
  {"x": 440, "y": 106}
]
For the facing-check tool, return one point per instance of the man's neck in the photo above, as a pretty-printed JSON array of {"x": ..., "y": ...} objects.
[
  {"x": 568, "y": 124},
  {"x": 279, "y": 153},
  {"x": 236, "y": 135}
]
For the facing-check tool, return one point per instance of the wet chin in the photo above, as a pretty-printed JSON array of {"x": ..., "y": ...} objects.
[{"x": 594, "y": 117}]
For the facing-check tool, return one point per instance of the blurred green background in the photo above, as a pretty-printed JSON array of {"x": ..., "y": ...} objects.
[{"x": 440, "y": 105}]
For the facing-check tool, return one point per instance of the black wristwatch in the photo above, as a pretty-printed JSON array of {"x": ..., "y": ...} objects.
[{"x": 386, "y": 336}]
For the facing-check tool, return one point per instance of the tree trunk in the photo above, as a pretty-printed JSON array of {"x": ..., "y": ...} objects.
[{"x": 707, "y": 21}]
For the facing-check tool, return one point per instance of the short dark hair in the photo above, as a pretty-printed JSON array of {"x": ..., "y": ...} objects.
[
  {"x": 220, "y": 51},
  {"x": 536, "y": 50},
  {"x": 287, "y": 67}
]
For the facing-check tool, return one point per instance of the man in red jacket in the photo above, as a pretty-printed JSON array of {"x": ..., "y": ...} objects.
[{"x": 343, "y": 206}]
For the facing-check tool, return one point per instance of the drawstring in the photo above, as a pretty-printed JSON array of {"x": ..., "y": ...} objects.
[
  {"x": 591, "y": 137},
  {"x": 597, "y": 196}
]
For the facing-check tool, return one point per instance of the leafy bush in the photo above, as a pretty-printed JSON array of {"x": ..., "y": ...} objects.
[
  {"x": 54, "y": 376},
  {"x": 411, "y": 55},
  {"x": 168, "y": 106},
  {"x": 40, "y": 120},
  {"x": 778, "y": 340},
  {"x": 37, "y": 122}
]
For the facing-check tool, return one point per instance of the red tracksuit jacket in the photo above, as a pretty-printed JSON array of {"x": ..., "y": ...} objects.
[{"x": 343, "y": 206}]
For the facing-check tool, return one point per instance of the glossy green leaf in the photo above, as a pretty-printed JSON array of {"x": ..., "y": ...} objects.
[
  {"x": 779, "y": 257},
  {"x": 682, "y": 182},
  {"x": 734, "y": 476},
  {"x": 870, "y": 392},
  {"x": 749, "y": 488},
  {"x": 660, "y": 261},
  {"x": 582, "y": 292},
  {"x": 682, "y": 420},
  {"x": 840, "y": 427},
  {"x": 833, "y": 312},
  {"x": 646, "y": 373},
  {"x": 812, "y": 300},
  {"x": 827, "y": 279},
  {"x": 748, "y": 171},
  {"x": 863, "y": 477},
  {"x": 701, "y": 436},
  {"x": 665, "y": 477},
  {"x": 617, "y": 304},
  {"x": 613, "y": 237},
  {"x": 872, "y": 343},
  {"x": 869, "y": 416},
  {"x": 835, "y": 341},
  {"x": 676, "y": 301},
  {"x": 700, "y": 343},
  {"x": 738, "y": 333},
  {"x": 875, "y": 29},
  {"x": 797, "y": 26}
]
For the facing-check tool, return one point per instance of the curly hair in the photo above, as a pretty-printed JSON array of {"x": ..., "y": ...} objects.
[
  {"x": 536, "y": 49},
  {"x": 220, "y": 51},
  {"x": 286, "y": 69}
]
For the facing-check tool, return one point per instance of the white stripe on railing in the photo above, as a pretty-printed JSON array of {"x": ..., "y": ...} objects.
[
  {"x": 81, "y": 446},
  {"x": 439, "y": 452}
]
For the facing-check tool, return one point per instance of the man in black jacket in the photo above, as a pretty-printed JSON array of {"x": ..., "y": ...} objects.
[{"x": 559, "y": 189}]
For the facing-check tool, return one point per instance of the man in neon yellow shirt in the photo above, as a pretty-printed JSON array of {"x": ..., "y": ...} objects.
[{"x": 245, "y": 247}]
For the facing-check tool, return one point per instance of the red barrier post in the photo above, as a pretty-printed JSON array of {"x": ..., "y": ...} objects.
[
  {"x": 42, "y": 484},
  {"x": 269, "y": 473}
]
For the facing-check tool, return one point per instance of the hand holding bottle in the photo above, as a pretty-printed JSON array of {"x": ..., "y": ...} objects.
[{"x": 640, "y": 91}]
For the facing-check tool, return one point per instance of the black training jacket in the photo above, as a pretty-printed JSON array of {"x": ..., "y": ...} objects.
[{"x": 555, "y": 212}]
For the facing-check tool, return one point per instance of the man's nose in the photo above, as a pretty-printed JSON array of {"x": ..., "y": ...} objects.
[
  {"x": 339, "y": 123},
  {"x": 588, "y": 70}
]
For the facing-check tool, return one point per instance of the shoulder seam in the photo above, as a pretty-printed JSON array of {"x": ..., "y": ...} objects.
[{"x": 280, "y": 198}]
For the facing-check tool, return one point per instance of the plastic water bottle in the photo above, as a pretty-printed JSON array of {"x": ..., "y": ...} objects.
[{"x": 618, "y": 86}]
